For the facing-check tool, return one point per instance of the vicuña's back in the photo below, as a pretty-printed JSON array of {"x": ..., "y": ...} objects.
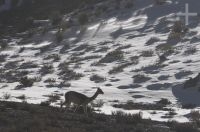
[
  {"x": 80, "y": 99},
  {"x": 76, "y": 98}
]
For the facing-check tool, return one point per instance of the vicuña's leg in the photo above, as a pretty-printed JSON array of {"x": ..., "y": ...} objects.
[
  {"x": 85, "y": 109},
  {"x": 61, "y": 104},
  {"x": 67, "y": 105},
  {"x": 77, "y": 106}
]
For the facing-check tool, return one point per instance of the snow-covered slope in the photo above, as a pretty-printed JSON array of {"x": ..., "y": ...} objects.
[{"x": 130, "y": 31}]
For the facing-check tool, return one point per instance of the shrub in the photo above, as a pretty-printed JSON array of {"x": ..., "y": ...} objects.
[
  {"x": 115, "y": 34},
  {"x": 53, "y": 97},
  {"x": 178, "y": 30},
  {"x": 147, "y": 53},
  {"x": 130, "y": 105},
  {"x": 119, "y": 68},
  {"x": 115, "y": 55},
  {"x": 21, "y": 49},
  {"x": 164, "y": 101},
  {"x": 83, "y": 18},
  {"x": 55, "y": 57},
  {"x": 22, "y": 97},
  {"x": 50, "y": 80},
  {"x": 37, "y": 79},
  {"x": 44, "y": 48},
  {"x": 140, "y": 78},
  {"x": 182, "y": 74},
  {"x": 71, "y": 75},
  {"x": 47, "y": 69},
  {"x": 67, "y": 74},
  {"x": 45, "y": 103},
  {"x": 122, "y": 117},
  {"x": 26, "y": 82},
  {"x": 195, "y": 116},
  {"x": 64, "y": 84},
  {"x": 11, "y": 65},
  {"x": 163, "y": 77},
  {"x": 166, "y": 49},
  {"x": 28, "y": 65},
  {"x": 190, "y": 50},
  {"x": 152, "y": 40},
  {"x": 135, "y": 59},
  {"x": 124, "y": 46},
  {"x": 162, "y": 58},
  {"x": 184, "y": 127},
  {"x": 178, "y": 27},
  {"x": 171, "y": 113},
  {"x": 64, "y": 48},
  {"x": 80, "y": 110},
  {"x": 78, "y": 59},
  {"x": 97, "y": 79},
  {"x": 14, "y": 56},
  {"x": 98, "y": 103},
  {"x": 6, "y": 96},
  {"x": 64, "y": 66},
  {"x": 96, "y": 63}
]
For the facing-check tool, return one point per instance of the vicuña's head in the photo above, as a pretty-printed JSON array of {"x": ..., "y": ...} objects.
[{"x": 99, "y": 91}]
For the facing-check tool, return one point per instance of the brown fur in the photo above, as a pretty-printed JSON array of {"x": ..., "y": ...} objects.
[{"x": 80, "y": 99}]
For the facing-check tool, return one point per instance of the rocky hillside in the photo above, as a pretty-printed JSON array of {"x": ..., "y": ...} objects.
[
  {"x": 21, "y": 117},
  {"x": 138, "y": 52}
]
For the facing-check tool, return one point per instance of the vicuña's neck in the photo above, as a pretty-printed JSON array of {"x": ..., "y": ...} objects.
[{"x": 94, "y": 96}]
